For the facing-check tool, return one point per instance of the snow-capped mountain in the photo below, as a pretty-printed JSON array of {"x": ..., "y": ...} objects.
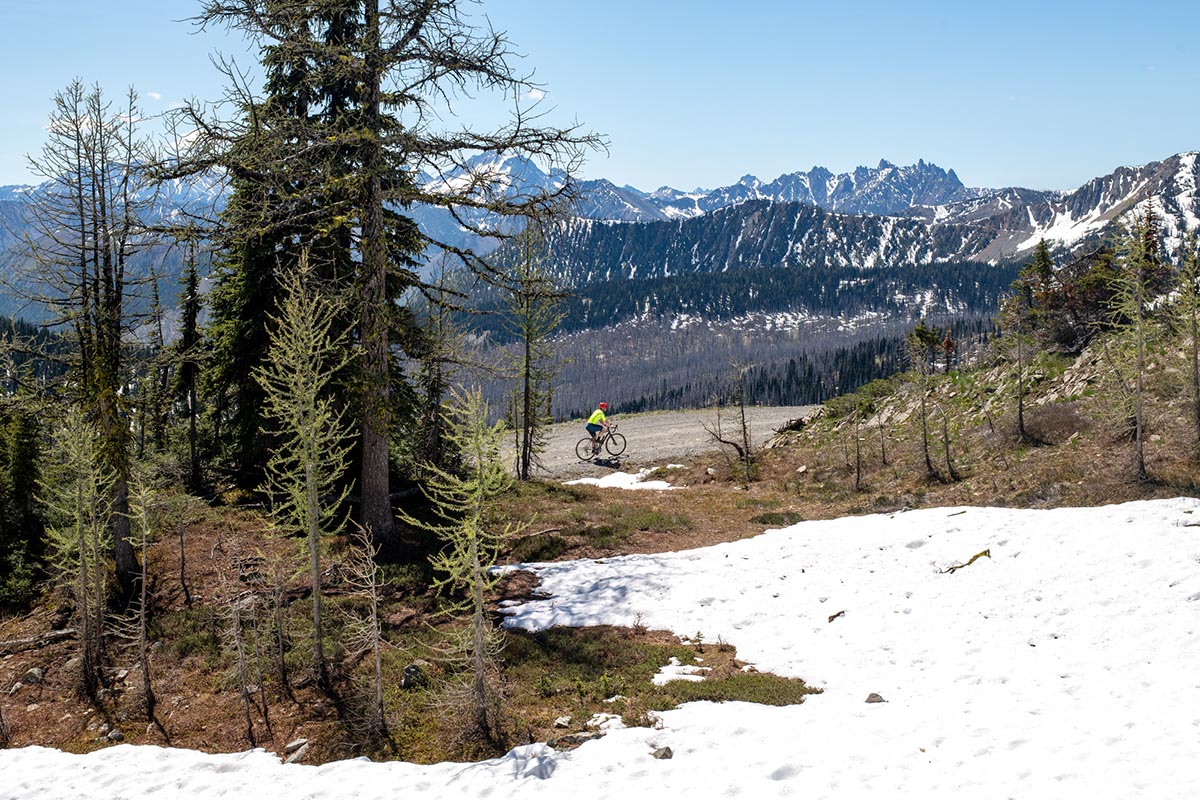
[
  {"x": 886, "y": 189},
  {"x": 1086, "y": 216},
  {"x": 760, "y": 233},
  {"x": 872, "y": 218}
]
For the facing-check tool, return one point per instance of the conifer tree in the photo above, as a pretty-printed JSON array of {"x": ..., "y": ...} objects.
[
  {"x": 370, "y": 81},
  {"x": 1139, "y": 271},
  {"x": 1187, "y": 319},
  {"x": 305, "y": 473},
  {"x": 462, "y": 501},
  {"x": 21, "y": 536},
  {"x": 921, "y": 341},
  {"x": 188, "y": 353},
  {"x": 535, "y": 311},
  {"x": 85, "y": 227},
  {"x": 77, "y": 490},
  {"x": 1017, "y": 317}
]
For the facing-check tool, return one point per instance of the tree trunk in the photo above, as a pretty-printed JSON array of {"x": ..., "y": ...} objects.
[{"x": 376, "y": 491}]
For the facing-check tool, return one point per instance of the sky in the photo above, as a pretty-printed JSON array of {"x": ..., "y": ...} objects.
[
  {"x": 1060, "y": 664},
  {"x": 1044, "y": 94}
]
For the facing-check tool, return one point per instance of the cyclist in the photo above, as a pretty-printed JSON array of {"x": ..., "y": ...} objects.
[{"x": 597, "y": 422}]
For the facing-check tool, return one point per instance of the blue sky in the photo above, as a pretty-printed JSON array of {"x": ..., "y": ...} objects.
[{"x": 698, "y": 92}]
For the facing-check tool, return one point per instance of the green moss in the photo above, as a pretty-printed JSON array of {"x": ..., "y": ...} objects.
[
  {"x": 192, "y": 632},
  {"x": 578, "y": 671},
  {"x": 747, "y": 687},
  {"x": 537, "y": 548},
  {"x": 777, "y": 518}
]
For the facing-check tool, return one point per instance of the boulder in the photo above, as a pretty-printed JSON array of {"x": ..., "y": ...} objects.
[
  {"x": 415, "y": 676},
  {"x": 296, "y": 756}
]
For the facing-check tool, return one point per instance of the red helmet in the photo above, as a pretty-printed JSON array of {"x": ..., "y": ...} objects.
[{"x": 604, "y": 406}]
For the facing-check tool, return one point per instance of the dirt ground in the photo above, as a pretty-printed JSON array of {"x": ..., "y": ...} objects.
[{"x": 657, "y": 437}]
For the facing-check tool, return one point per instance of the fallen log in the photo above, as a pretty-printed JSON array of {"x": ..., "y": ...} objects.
[{"x": 32, "y": 642}]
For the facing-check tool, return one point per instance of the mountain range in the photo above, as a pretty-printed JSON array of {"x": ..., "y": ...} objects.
[
  {"x": 999, "y": 223},
  {"x": 883, "y": 217}
]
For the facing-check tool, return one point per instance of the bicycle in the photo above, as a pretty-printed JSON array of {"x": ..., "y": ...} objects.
[{"x": 588, "y": 448}]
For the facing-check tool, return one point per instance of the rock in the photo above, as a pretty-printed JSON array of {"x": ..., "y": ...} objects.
[
  {"x": 572, "y": 740},
  {"x": 16, "y": 687},
  {"x": 803, "y": 468},
  {"x": 400, "y": 617},
  {"x": 415, "y": 676},
  {"x": 72, "y": 666},
  {"x": 293, "y": 746},
  {"x": 604, "y": 722},
  {"x": 663, "y": 753},
  {"x": 710, "y": 471},
  {"x": 874, "y": 697},
  {"x": 562, "y": 722},
  {"x": 296, "y": 756},
  {"x": 122, "y": 674},
  {"x": 33, "y": 675},
  {"x": 115, "y": 735}
]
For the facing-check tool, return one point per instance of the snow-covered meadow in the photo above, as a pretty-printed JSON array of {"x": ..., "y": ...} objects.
[{"x": 1064, "y": 663}]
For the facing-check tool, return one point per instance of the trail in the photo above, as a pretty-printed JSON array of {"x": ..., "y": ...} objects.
[{"x": 658, "y": 436}]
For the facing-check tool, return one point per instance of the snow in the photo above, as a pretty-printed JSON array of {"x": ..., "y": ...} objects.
[
  {"x": 1061, "y": 664},
  {"x": 1186, "y": 199},
  {"x": 675, "y": 671},
  {"x": 625, "y": 480}
]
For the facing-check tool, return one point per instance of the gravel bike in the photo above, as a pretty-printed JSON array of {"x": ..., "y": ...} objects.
[{"x": 588, "y": 448}]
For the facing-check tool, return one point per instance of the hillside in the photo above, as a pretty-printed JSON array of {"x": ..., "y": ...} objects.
[{"x": 210, "y": 560}]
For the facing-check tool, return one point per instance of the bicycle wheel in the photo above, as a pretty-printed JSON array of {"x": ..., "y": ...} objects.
[
  {"x": 584, "y": 449},
  {"x": 615, "y": 444}
]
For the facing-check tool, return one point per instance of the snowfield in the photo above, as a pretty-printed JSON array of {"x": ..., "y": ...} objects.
[{"x": 1063, "y": 663}]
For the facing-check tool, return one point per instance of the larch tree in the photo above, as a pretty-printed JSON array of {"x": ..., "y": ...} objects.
[
  {"x": 462, "y": 501},
  {"x": 76, "y": 488},
  {"x": 305, "y": 473}
]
